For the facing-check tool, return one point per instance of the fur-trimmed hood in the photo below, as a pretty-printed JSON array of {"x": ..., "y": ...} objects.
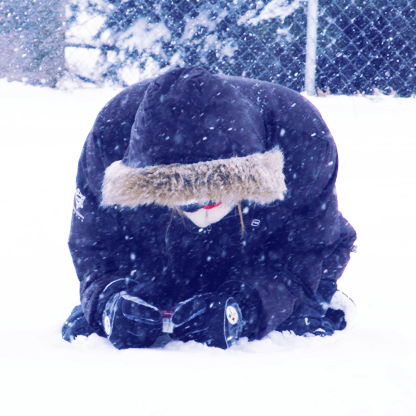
[
  {"x": 196, "y": 138},
  {"x": 258, "y": 178}
]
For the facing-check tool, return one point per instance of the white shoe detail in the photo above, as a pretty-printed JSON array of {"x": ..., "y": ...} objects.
[{"x": 107, "y": 325}]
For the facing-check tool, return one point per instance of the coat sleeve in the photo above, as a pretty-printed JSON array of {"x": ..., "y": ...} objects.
[
  {"x": 319, "y": 239},
  {"x": 96, "y": 245},
  {"x": 314, "y": 242},
  {"x": 100, "y": 252},
  {"x": 312, "y": 248}
]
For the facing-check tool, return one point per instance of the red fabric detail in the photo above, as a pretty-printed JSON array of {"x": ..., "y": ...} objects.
[
  {"x": 212, "y": 206},
  {"x": 166, "y": 314}
]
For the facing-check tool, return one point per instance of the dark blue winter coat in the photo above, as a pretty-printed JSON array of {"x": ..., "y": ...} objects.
[{"x": 190, "y": 137}]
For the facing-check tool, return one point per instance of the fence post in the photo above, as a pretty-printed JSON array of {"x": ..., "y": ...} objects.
[{"x": 311, "y": 46}]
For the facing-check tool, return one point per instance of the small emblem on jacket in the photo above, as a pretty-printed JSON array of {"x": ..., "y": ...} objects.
[
  {"x": 79, "y": 203},
  {"x": 255, "y": 223}
]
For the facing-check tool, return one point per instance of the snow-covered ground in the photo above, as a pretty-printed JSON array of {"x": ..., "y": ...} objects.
[{"x": 368, "y": 369}]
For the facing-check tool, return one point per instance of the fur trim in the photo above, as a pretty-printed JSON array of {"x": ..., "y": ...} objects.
[{"x": 258, "y": 178}]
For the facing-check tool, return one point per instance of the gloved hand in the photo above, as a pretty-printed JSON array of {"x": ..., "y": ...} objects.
[
  {"x": 203, "y": 318},
  {"x": 130, "y": 322},
  {"x": 218, "y": 318},
  {"x": 75, "y": 325}
]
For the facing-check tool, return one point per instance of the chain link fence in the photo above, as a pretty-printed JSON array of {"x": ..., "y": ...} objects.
[
  {"x": 360, "y": 44},
  {"x": 367, "y": 44}
]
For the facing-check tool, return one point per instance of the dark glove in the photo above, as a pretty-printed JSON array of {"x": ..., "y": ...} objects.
[
  {"x": 130, "y": 322},
  {"x": 75, "y": 325},
  {"x": 218, "y": 318},
  {"x": 203, "y": 318}
]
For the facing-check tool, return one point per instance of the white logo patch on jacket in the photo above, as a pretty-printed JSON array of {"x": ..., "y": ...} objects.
[{"x": 79, "y": 203}]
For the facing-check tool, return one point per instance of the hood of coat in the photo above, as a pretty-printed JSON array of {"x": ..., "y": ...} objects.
[{"x": 195, "y": 139}]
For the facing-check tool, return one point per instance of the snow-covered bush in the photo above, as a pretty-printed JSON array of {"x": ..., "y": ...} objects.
[
  {"x": 361, "y": 44},
  {"x": 125, "y": 41},
  {"x": 32, "y": 34}
]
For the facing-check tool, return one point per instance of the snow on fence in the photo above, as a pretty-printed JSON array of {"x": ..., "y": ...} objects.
[
  {"x": 132, "y": 40},
  {"x": 343, "y": 45}
]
